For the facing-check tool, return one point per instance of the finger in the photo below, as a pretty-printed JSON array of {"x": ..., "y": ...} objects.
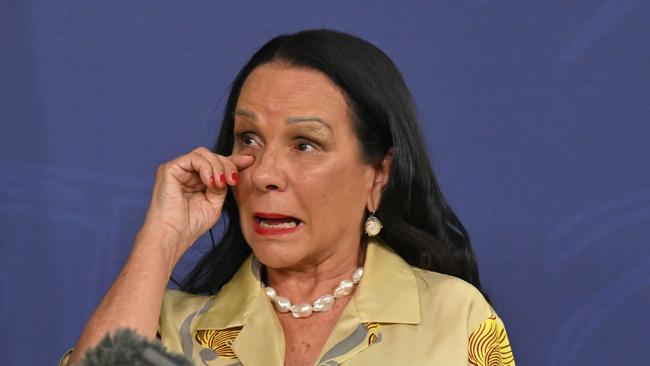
[
  {"x": 230, "y": 169},
  {"x": 227, "y": 167},
  {"x": 242, "y": 161},
  {"x": 195, "y": 163},
  {"x": 218, "y": 176}
]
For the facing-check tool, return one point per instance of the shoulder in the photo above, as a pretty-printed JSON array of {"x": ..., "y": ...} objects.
[
  {"x": 458, "y": 306},
  {"x": 435, "y": 284},
  {"x": 451, "y": 299}
]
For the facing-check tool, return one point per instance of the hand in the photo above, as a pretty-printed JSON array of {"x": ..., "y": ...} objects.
[{"x": 189, "y": 194}]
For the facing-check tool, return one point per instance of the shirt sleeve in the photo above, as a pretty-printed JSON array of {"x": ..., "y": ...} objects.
[
  {"x": 168, "y": 326},
  {"x": 489, "y": 344}
]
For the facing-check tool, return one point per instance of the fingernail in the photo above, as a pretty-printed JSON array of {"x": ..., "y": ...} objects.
[
  {"x": 222, "y": 178},
  {"x": 234, "y": 177},
  {"x": 212, "y": 181}
]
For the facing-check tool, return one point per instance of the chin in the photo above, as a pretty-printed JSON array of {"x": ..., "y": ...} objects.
[{"x": 277, "y": 255}]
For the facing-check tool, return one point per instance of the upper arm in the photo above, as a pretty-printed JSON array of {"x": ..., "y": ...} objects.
[{"x": 489, "y": 345}]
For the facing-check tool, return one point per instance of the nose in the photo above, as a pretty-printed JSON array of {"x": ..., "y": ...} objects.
[{"x": 267, "y": 173}]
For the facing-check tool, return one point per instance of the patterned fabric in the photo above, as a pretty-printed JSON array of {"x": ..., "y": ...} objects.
[
  {"x": 398, "y": 315},
  {"x": 489, "y": 345},
  {"x": 220, "y": 341},
  {"x": 374, "y": 336}
]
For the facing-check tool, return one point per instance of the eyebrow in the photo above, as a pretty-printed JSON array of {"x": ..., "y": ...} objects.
[
  {"x": 245, "y": 113},
  {"x": 298, "y": 119},
  {"x": 290, "y": 120}
]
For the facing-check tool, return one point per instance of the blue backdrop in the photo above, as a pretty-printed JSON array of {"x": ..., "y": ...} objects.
[{"x": 536, "y": 114}]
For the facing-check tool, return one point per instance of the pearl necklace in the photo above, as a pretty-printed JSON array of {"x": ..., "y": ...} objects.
[{"x": 323, "y": 303}]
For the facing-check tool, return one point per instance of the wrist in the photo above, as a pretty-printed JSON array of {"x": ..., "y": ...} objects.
[{"x": 155, "y": 241}]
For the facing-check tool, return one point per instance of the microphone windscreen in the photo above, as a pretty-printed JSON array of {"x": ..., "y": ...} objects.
[{"x": 126, "y": 348}]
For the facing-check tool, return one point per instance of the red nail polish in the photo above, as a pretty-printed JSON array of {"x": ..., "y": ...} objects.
[
  {"x": 212, "y": 181},
  {"x": 234, "y": 177},
  {"x": 222, "y": 178}
]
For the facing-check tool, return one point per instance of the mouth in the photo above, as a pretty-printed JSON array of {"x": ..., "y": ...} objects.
[{"x": 275, "y": 224}]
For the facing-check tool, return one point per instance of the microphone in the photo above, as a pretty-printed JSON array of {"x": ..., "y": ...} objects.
[{"x": 127, "y": 348}]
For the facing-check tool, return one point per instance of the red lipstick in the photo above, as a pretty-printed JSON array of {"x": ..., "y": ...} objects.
[{"x": 275, "y": 224}]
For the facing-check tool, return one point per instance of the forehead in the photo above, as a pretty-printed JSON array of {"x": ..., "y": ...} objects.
[{"x": 280, "y": 90}]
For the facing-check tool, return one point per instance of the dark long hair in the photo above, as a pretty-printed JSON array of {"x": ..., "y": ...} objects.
[{"x": 418, "y": 223}]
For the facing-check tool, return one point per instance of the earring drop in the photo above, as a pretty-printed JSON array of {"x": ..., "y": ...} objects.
[{"x": 373, "y": 225}]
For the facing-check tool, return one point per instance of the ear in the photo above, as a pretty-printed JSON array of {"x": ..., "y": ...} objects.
[{"x": 382, "y": 173}]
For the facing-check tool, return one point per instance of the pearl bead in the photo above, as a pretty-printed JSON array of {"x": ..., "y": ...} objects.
[
  {"x": 301, "y": 310},
  {"x": 323, "y": 303},
  {"x": 282, "y": 304},
  {"x": 373, "y": 226},
  {"x": 270, "y": 292},
  {"x": 356, "y": 276},
  {"x": 344, "y": 289}
]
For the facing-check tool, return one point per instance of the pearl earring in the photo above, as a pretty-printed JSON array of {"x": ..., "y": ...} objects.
[{"x": 373, "y": 225}]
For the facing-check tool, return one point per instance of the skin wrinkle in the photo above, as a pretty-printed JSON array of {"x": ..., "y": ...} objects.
[
  {"x": 308, "y": 128},
  {"x": 263, "y": 106},
  {"x": 290, "y": 120},
  {"x": 327, "y": 186}
]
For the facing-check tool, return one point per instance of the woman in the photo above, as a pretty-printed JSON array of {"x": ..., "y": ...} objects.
[{"x": 356, "y": 258}]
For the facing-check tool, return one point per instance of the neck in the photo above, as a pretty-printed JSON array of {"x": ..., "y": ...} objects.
[{"x": 307, "y": 283}]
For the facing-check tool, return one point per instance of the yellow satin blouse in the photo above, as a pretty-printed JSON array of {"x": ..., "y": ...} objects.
[{"x": 398, "y": 315}]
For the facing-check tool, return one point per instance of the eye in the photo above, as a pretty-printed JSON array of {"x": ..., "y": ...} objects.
[
  {"x": 245, "y": 139},
  {"x": 305, "y": 146}
]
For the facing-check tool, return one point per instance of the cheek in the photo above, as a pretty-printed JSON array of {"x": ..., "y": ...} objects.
[
  {"x": 331, "y": 193},
  {"x": 317, "y": 178}
]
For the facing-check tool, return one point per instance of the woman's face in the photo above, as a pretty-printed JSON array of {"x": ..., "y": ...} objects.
[{"x": 303, "y": 199}]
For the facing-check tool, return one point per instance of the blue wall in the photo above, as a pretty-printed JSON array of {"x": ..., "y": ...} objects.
[{"x": 536, "y": 114}]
